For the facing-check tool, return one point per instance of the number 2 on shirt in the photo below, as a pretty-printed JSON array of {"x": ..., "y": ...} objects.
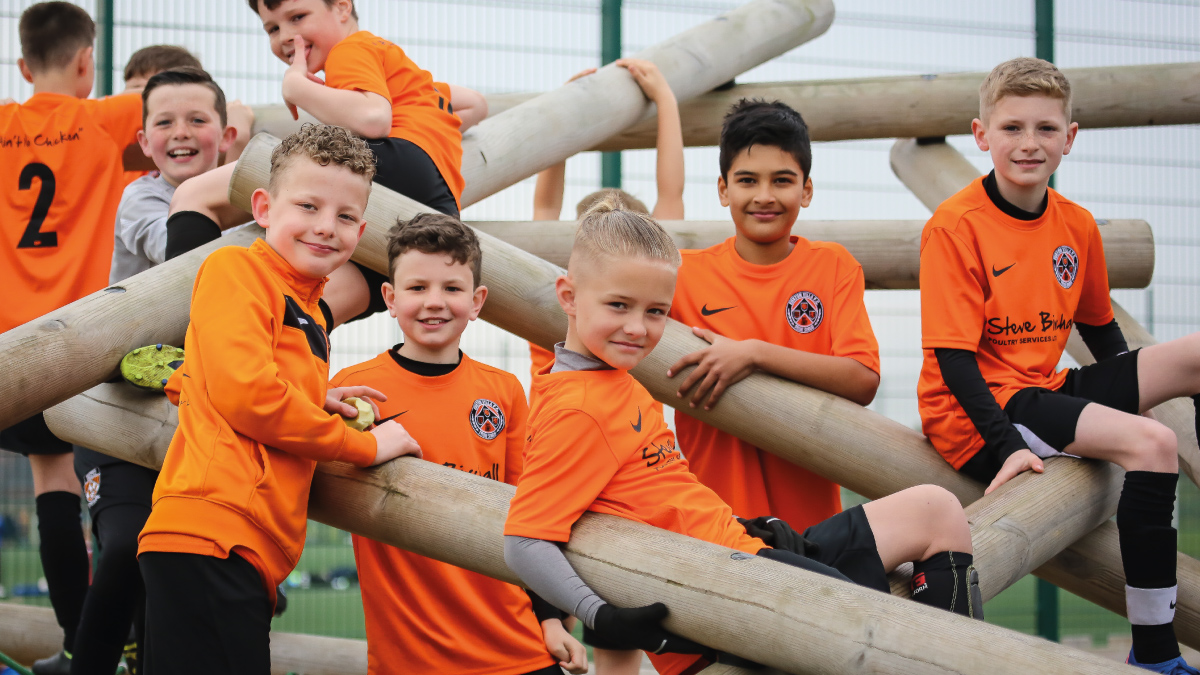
[{"x": 34, "y": 237}]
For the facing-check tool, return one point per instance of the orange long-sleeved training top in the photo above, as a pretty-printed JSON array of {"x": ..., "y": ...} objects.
[{"x": 251, "y": 420}]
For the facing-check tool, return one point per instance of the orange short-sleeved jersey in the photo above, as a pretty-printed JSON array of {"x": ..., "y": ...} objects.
[
  {"x": 420, "y": 112},
  {"x": 598, "y": 442},
  {"x": 61, "y": 181},
  {"x": 1009, "y": 290},
  {"x": 811, "y": 301},
  {"x": 431, "y": 616}
]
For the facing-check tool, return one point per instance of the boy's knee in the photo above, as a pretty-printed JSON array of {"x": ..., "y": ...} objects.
[
  {"x": 939, "y": 500},
  {"x": 1157, "y": 447},
  {"x": 944, "y": 516}
]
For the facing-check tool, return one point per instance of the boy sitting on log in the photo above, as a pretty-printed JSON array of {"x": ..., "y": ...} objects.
[
  {"x": 431, "y": 616},
  {"x": 598, "y": 442},
  {"x": 1008, "y": 266},
  {"x": 256, "y": 413},
  {"x": 62, "y": 178}
]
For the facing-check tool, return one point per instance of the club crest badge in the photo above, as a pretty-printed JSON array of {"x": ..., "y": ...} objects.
[
  {"x": 487, "y": 419},
  {"x": 804, "y": 312},
  {"x": 91, "y": 486},
  {"x": 1066, "y": 265}
]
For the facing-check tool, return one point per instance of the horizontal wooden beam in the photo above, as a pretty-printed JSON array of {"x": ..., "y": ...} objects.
[
  {"x": 888, "y": 250},
  {"x": 31, "y": 633},
  {"x": 908, "y": 106},
  {"x": 778, "y": 615}
]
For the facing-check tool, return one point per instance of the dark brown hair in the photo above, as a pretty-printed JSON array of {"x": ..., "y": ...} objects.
[
  {"x": 185, "y": 75},
  {"x": 272, "y": 4},
  {"x": 435, "y": 233},
  {"x": 52, "y": 33},
  {"x": 154, "y": 59}
]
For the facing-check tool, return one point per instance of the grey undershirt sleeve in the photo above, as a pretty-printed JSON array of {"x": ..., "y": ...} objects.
[{"x": 543, "y": 567}]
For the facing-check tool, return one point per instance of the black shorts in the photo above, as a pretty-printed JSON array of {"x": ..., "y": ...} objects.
[
  {"x": 1047, "y": 419},
  {"x": 107, "y": 481},
  {"x": 847, "y": 544},
  {"x": 205, "y": 615},
  {"x": 402, "y": 166},
  {"x": 31, "y": 436}
]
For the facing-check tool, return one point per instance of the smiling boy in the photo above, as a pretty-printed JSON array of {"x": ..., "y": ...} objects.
[
  {"x": 431, "y": 616},
  {"x": 1007, "y": 267},
  {"x": 256, "y": 414},
  {"x": 598, "y": 442}
]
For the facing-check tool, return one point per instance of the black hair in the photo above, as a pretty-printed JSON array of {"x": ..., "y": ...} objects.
[
  {"x": 186, "y": 75},
  {"x": 758, "y": 122}
]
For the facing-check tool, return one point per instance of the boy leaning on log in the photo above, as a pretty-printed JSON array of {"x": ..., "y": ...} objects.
[
  {"x": 598, "y": 442},
  {"x": 423, "y": 615},
  {"x": 1008, "y": 266},
  {"x": 256, "y": 414}
]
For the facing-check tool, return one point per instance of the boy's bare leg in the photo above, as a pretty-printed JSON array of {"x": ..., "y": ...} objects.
[
  {"x": 617, "y": 662},
  {"x": 917, "y": 523},
  {"x": 1169, "y": 370},
  {"x": 54, "y": 473},
  {"x": 1133, "y": 442}
]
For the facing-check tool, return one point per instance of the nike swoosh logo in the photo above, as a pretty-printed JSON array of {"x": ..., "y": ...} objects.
[
  {"x": 709, "y": 312},
  {"x": 637, "y": 427},
  {"x": 998, "y": 272},
  {"x": 1172, "y": 604},
  {"x": 388, "y": 419}
]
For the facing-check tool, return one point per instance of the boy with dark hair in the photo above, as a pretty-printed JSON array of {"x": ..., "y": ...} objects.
[
  {"x": 769, "y": 300},
  {"x": 184, "y": 120},
  {"x": 1007, "y": 267},
  {"x": 256, "y": 414},
  {"x": 62, "y": 179},
  {"x": 592, "y": 427},
  {"x": 432, "y": 616}
]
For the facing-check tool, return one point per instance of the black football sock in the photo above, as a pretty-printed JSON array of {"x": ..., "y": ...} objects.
[
  {"x": 115, "y": 594},
  {"x": 64, "y": 558},
  {"x": 1148, "y": 550},
  {"x": 948, "y": 580}
]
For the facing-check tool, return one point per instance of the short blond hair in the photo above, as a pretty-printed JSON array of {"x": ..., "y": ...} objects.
[
  {"x": 609, "y": 229},
  {"x": 626, "y": 201},
  {"x": 324, "y": 144},
  {"x": 1024, "y": 76}
]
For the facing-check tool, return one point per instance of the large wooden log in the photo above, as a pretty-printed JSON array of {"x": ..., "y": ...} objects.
[
  {"x": 888, "y": 250},
  {"x": 835, "y": 438},
  {"x": 907, "y": 106},
  {"x": 31, "y": 633},
  {"x": 57, "y": 359},
  {"x": 550, "y": 128},
  {"x": 935, "y": 170},
  {"x": 782, "y": 616}
]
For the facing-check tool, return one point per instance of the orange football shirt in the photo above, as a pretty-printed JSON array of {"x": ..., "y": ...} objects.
[
  {"x": 431, "y": 616},
  {"x": 811, "y": 301},
  {"x": 1009, "y": 290},
  {"x": 420, "y": 113},
  {"x": 61, "y": 181},
  {"x": 252, "y": 424}
]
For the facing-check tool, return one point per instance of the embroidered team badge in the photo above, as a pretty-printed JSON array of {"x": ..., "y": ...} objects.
[
  {"x": 487, "y": 419},
  {"x": 1066, "y": 265},
  {"x": 804, "y": 312},
  {"x": 91, "y": 486}
]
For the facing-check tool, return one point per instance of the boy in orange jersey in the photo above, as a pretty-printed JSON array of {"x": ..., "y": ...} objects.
[
  {"x": 769, "y": 300},
  {"x": 256, "y": 414},
  {"x": 371, "y": 88},
  {"x": 1007, "y": 267},
  {"x": 599, "y": 443},
  {"x": 426, "y": 616},
  {"x": 668, "y": 174},
  {"x": 61, "y": 182}
]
